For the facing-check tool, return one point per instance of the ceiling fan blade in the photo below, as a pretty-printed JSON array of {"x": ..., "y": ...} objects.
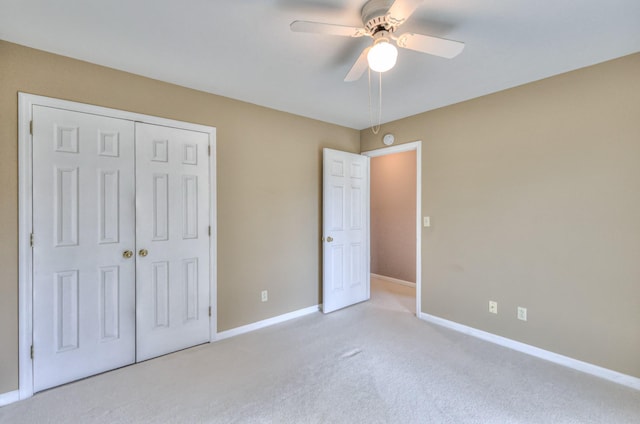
[
  {"x": 331, "y": 29},
  {"x": 431, "y": 45},
  {"x": 400, "y": 11},
  {"x": 359, "y": 67}
]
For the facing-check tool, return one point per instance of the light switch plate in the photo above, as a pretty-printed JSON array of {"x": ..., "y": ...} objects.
[{"x": 426, "y": 221}]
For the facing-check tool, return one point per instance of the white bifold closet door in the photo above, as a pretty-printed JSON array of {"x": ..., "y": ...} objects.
[
  {"x": 172, "y": 233},
  {"x": 83, "y": 223},
  {"x": 121, "y": 243}
]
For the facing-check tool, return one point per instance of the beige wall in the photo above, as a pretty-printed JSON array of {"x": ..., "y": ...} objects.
[
  {"x": 393, "y": 215},
  {"x": 268, "y": 185},
  {"x": 534, "y": 196}
]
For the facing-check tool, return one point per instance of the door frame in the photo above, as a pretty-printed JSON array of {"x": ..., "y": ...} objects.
[
  {"x": 25, "y": 216},
  {"x": 406, "y": 147}
]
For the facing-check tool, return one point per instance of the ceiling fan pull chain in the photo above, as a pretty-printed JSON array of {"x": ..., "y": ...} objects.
[
  {"x": 379, "y": 100},
  {"x": 375, "y": 128}
]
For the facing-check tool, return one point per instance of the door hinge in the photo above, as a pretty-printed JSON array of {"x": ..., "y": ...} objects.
[
  {"x": 209, "y": 314},
  {"x": 31, "y": 239},
  {"x": 31, "y": 127},
  {"x": 209, "y": 150},
  {"x": 31, "y": 351},
  {"x": 209, "y": 230}
]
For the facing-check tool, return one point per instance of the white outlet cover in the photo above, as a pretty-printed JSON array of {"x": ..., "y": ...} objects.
[{"x": 522, "y": 313}]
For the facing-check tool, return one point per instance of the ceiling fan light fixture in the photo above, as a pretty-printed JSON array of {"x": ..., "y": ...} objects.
[{"x": 382, "y": 56}]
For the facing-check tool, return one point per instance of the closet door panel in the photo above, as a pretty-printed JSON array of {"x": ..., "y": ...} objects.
[
  {"x": 83, "y": 221},
  {"x": 172, "y": 234}
]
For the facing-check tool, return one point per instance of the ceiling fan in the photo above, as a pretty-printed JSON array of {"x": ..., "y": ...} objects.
[{"x": 381, "y": 19}]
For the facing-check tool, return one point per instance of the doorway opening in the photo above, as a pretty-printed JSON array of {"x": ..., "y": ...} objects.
[{"x": 395, "y": 224}]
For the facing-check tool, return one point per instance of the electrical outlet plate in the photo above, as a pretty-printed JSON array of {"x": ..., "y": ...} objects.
[
  {"x": 493, "y": 307},
  {"x": 522, "y": 313}
]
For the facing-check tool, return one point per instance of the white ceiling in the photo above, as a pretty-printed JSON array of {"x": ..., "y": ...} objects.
[{"x": 244, "y": 49}]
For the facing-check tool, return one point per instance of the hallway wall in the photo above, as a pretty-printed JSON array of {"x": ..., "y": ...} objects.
[{"x": 393, "y": 215}]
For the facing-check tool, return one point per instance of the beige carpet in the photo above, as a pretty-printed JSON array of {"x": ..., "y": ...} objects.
[{"x": 371, "y": 363}]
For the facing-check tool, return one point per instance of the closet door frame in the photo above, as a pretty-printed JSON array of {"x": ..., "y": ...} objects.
[{"x": 25, "y": 217}]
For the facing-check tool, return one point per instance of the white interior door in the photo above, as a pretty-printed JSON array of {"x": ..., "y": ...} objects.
[
  {"x": 345, "y": 226},
  {"x": 172, "y": 235},
  {"x": 83, "y": 222}
]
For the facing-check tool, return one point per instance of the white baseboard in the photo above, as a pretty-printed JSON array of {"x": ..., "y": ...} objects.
[
  {"x": 393, "y": 280},
  {"x": 266, "y": 322},
  {"x": 9, "y": 397},
  {"x": 607, "y": 374}
]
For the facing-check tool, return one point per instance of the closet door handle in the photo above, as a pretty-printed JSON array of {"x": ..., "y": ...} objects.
[
  {"x": 329, "y": 239},
  {"x": 143, "y": 252},
  {"x": 127, "y": 254}
]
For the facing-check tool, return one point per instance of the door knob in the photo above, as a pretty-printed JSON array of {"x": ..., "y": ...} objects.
[
  {"x": 127, "y": 254},
  {"x": 143, "y": 252},
  {"x": 329, "y": 239}
]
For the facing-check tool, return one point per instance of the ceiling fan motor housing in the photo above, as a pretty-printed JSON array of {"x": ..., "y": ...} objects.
[{"x": 374, "y": 16}]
